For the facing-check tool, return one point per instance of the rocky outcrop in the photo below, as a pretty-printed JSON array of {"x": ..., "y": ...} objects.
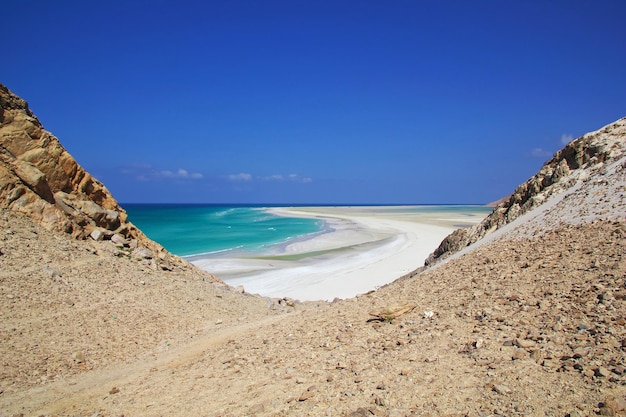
[
  {"x": 39, "y": 178},
  {"x": 576, "y": 162}
]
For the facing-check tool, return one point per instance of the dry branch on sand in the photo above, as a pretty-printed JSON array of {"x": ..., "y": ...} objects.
[{"x": 393, "y": 312}]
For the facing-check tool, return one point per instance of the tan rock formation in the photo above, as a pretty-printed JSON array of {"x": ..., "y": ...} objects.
[
  {"x": 577, "y": 161},
  {"x": 39, "y": 178}
]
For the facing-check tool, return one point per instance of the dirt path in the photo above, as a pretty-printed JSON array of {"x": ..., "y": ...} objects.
[{"x": 62, "y": 396}]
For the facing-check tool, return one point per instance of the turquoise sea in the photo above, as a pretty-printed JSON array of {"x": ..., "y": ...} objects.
[
  {"x": 188, "y": 230},
  {"x": 202, "y": 229}
]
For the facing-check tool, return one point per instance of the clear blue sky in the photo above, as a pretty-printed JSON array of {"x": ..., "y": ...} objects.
[{"x": 316, "y": 101}]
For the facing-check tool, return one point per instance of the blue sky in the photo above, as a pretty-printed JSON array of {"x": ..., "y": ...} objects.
[{"x": 316, "y": 101}]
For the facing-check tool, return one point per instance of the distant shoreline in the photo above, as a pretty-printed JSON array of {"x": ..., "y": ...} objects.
[
  {"x": 305, "y": 205},
  {"x": 364, "y": 247}
]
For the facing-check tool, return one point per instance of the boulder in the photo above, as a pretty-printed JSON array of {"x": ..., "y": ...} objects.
[
  {"x": 143, "y": 253},
  {"x": 97, "y": 235}
]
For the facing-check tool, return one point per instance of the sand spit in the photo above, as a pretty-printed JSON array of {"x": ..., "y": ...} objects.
[{"x": 364, "y": 249}]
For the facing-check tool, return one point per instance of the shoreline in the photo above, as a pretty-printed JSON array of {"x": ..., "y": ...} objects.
[{"x": 360, "y": 249}]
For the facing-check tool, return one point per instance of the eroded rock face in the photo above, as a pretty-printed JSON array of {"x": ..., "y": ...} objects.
[
  {"x": 39, "y": 178},
  {"x": 577, "y": 161}
]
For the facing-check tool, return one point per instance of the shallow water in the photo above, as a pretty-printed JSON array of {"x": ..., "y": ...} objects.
[{"x": 203, "y": 229}]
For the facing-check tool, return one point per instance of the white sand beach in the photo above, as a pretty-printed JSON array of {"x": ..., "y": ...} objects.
[{"x": 362, "y": 249}]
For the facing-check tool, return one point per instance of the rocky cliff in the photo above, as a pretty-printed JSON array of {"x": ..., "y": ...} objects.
[
  {"x": 576, "y": 162},
  {"x": 39, "y": 178}
]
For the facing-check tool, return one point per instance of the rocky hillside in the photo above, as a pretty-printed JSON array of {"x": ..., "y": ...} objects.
[
  {"x": 39, "y": 178},
  {"x": 577, "y": 161}
]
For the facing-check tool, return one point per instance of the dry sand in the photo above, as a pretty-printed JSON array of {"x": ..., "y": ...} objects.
[{"x": 363, "y": 249}]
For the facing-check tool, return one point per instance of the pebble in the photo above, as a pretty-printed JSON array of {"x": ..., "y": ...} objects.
[
  {"x": 257, "y": 408},
  {"x": 524, "y": 343},
  {"x": 617, "y": 404},
  {"x": 502, "y": 389},
  {"x": 602, "y": 372},
  {"x": 306, "y": 395},
  {"x": 519, "y": 354},
  {"x": 79, "y": 357}
]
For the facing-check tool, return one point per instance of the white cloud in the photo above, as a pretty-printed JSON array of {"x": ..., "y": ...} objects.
[
  {"x": 275, "y": 177},
  {"x": 180, "y": 174},
  {"x": 242, "y": 176},
  {"x": 145, "y": 172},
  {"x": 566, "y": 138},
  {"x": 540, "y": 153},
  {"x": 298, "y": 178}
]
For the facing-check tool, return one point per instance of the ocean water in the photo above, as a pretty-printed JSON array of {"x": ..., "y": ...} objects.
[{"x": 187, "y": 230}]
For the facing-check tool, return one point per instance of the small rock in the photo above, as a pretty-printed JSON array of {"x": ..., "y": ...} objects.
[
  {"x": 502, "y": 389},
  {"x": 142, "y": 253},
  {"x": 524, "y": 343},
  {"x": 255, "y": 409},
  {"x": 606, "y": 411},
  {"x": 79, "y": 357},
  {"x": 306, "y": 395},
  {"x": 602, "y": 372},
  {"x": 536, "y": 355},
  {"x": 519, "y": 354},
  {"x": 617, "y": 404},
  {"x": 361, "y": 412},
  {"x": 119, "y": 239},
  {"x": 218, "y": 321},
  {"x": 114, "y": 390},
  {"x": 52, "y": 273},
  {"x": 240, "y": 289},
  {"x": 97, "y": 235}
]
